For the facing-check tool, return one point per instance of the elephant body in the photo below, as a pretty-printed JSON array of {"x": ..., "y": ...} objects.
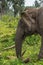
[
  {"x": 40, "y": 19},
  {"x": 31, "y": 22}
]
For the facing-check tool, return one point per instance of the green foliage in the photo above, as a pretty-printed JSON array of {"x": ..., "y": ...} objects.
[
  {"x": 32, "y": 40},
  {"x": 8, "y": 26},
  {"x": 18, "y": 6},
  {"x": 4, "y": 6},
  {"x": 36, "y": 3}
]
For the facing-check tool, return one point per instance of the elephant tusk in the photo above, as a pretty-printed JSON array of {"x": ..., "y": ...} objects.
[{"x": 27, "y": 22}]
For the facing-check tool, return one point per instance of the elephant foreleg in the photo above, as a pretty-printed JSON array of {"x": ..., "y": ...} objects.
[{"x": 41, "y": 50}]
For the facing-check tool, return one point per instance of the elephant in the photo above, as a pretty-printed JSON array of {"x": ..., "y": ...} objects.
[{"x": 31, "y": 22}]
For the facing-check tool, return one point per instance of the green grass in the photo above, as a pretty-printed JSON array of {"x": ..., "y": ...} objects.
[{"x": 8, "y": 26}]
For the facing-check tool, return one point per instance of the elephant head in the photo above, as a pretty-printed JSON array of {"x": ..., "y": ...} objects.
[{"x": 28, "y": 25}]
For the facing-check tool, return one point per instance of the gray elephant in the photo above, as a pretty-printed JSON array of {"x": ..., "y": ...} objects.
[{"x": 31, "y": 22}]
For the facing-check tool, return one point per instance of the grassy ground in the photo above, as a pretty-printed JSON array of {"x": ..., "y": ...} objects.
[{"x": 31, "y": 44}]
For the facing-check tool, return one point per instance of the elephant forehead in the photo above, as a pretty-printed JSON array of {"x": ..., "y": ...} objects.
[{"x": 31, "y": 10}]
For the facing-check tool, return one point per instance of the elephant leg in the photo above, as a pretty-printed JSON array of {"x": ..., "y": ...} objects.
[
  {"x": 18, "y": 41},
  {"x": 40, "y": 56}
]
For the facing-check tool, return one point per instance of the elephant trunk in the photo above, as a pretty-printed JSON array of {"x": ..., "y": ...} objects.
[{"x": 18, "y": 41}]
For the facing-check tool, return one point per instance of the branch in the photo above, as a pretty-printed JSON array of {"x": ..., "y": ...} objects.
[
  {"x": 23, "y": 52},
  {"x": 13, "y": 46}
]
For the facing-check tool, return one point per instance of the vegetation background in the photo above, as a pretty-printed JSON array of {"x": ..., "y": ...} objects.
[{"x": 9, "y": 17}]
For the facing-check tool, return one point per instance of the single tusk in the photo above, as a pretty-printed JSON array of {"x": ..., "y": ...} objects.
[{"x": 27, "y": 22}]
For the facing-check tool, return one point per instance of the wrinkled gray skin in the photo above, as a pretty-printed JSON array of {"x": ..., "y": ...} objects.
[{"x": 31, "y": 22}]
